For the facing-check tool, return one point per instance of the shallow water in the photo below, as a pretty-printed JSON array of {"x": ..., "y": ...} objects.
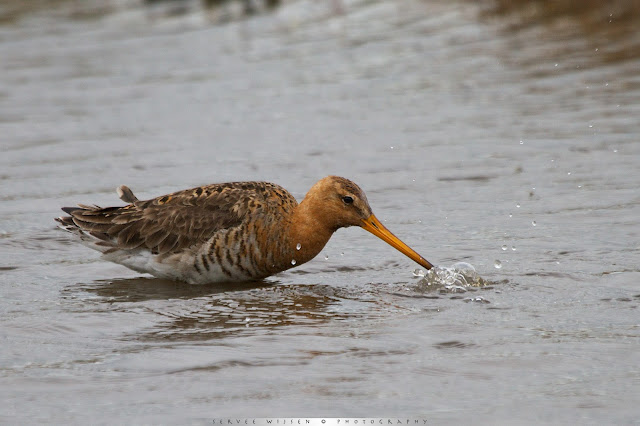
[{"x": 475, "y": 141}]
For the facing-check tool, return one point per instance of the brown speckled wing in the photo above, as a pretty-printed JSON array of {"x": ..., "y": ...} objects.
[{"x": 176, "y": 221}]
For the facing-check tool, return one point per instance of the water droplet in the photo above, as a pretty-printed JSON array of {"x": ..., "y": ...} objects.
[
  {"x": 464, "y": 267},
  {"x": 478, "y": 299},
  {"x": 510, "y": 215},
  {"x": 504, "y": 247},
  {"x": 579, "y": 186},
  {"x": 342, "y": 254},
  {"x": 521, "y": 142},
  {"x": 513, "y": 248},
  {"x": 568, "y": 173},
  {"x": 293, "y": 261},
  {"x": 590, "y": 126},
  {"x": 518, "y": 205},
  {"x": 298, "y": 246},
  {"x": 391, "y": 147},
  {"x": 418, "y": 273},
  {"x": 533, "y": 222},
  {"x": 326, "y": 257},
  {"x": 615, "y": 150},
  {"x": 497, "y": 264},
  {"x": 555, "y": 65}
]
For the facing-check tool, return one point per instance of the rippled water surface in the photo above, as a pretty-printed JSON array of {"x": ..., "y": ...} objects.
[{"x": 504, "y": 141}]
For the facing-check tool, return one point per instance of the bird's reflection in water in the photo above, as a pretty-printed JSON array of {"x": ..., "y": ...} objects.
[
  {"x": 142, "y": 289},
  {"x": 202, "y": 312}
]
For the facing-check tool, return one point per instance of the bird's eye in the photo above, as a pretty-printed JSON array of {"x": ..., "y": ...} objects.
[{"x": 347, "y": 200}]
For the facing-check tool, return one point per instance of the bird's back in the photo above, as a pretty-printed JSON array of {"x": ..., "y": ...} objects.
[{"x": 217, "y": 232}]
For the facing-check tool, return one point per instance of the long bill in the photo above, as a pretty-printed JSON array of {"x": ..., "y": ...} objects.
[{"x": 373, "y": 225}]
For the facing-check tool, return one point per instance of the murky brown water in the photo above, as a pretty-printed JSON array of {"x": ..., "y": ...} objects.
[{"x": 477, "y": 138}]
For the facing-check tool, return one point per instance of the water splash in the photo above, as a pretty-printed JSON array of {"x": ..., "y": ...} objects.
[{"x": 458, "y": 278}]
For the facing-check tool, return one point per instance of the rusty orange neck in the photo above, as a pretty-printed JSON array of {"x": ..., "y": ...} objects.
[{"x": 310, "y": 229}]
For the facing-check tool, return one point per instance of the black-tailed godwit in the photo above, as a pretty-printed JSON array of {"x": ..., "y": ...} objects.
[{"x": 236, "y": 231}]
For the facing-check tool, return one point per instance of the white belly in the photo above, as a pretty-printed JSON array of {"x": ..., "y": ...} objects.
[{"x": 174, "y": 267}]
